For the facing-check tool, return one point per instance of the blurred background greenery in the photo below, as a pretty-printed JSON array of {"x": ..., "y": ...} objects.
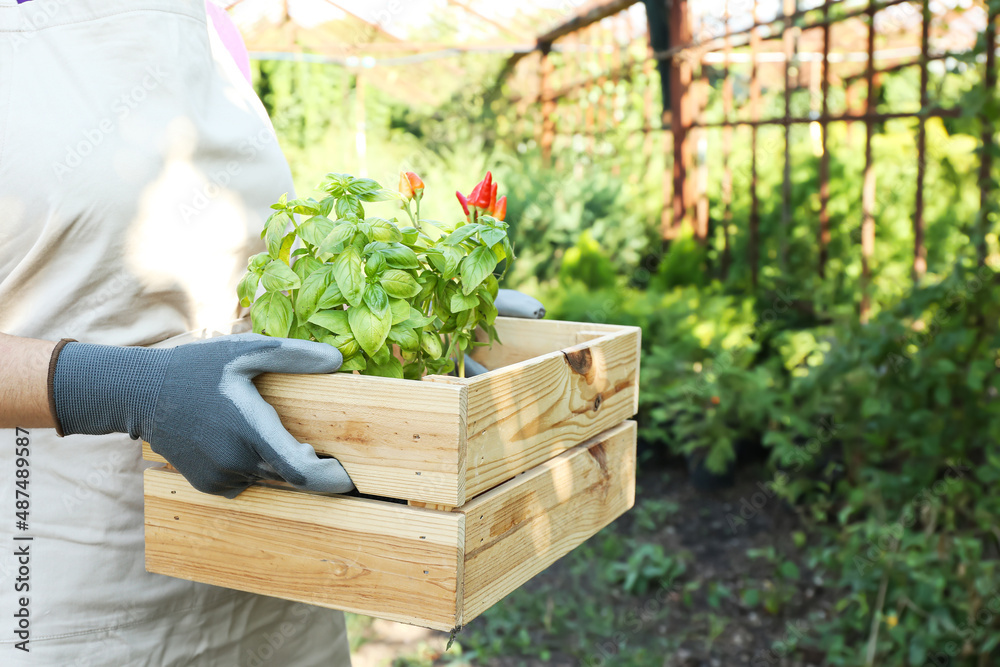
[{"x": 874, "y": 446}]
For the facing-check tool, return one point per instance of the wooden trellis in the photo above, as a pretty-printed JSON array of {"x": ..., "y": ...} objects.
[{"x": 685, "y": 201}]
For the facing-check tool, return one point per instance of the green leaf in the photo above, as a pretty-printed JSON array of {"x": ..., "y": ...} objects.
[
  {"x": 460, "y": 302},
  {"x": 410, "y": 235},
  {"x": 487, "y": 307},
  {"x": 417, "y": 320},
  {"x": 341, "y": 233},
  {"x": 313, "y": 287},
  {"x": 347, "y": 345},
  {"x": 334, "y": 320},
  {"x": 306, "y": 265},
  {"x": 369, "y": 329},
  {"x": 398, "y": 256},
  {"x": 492, "y": 285},
  {"x": 446, "y": 260},
  {"x": 404, "y": 337},
  {"x": 428, "y": 281},
  {"x": 278, "y": 277},
  {"x": 331, "y": 297},
  {"x": 383, "y": 230},
  {"x": 247, "y": 289},
  {"x": 375, "y": 265},
  {"x": 431, "y": 343},
  {"x": 466, "y": 318},
  {"x": 479, "y": 264},
  {"x": 315, "y": 229},
  {"x": 382, "y": 355},
  {"x": 399, "y": 284},
  {"x": 400, "y": 310},
  {"x": 258, "y": 262},
  {"x": 461, "y": 234},
  {"x": 499, "y": 252},
  {"x": 349, "y": 206},
  {"x": 326, "y": 206},
  {"x": 789, "y": 570},
  {"x": 336, "y": 184},
  {"x": 280, "y": 206},
  {"x": 381, "y": 195},
  {"x": 377, "y": 300},
  {"x": 355, "y": 363},
  {"x": 491, "y": 237},
  {"x": 350, "y": 276},
  {"x": 360, "y": 186},
  {"x": 390, "y": 369},
  {"x": 304, "y": 206},
  {"x": 285, "y": 251},
  {"x": 274, "y": 232},
  {"x": 272, "y": 314}
]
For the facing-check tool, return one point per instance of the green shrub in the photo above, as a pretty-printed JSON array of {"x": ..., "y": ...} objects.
[{"x": 910, "y": 403}]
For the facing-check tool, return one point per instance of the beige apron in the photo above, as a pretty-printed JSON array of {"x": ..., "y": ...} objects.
[{"x": 136, "y": 168}]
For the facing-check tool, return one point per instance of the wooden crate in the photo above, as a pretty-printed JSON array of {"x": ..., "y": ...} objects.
[
  {"x": 434, "y": 568},
  {"x": 445, "y": 440}
]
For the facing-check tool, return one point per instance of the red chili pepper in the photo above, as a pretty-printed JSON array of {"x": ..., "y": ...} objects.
[
  {"x": 486, "y": 194},
  {"x": 474, "y": 195},
  {"x": 463, "y": 201},
  {"x": 493, "y": 199},
  {"x": 500, "y": 211}
]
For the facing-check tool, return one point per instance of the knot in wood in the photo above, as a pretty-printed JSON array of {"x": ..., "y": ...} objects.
[{"x": 581, "y": 361}]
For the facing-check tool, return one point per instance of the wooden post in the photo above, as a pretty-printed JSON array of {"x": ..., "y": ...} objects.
[
  {"x": 849, "y": 103},
  {"x": 702, "y": 229},
  {"x": 548, "y": 106},
  {"x": 919, "y": 251},
  {"x": 788, "y": 40},
  {"x": 824, "y": 160},
  {"x": 868, "y": 188},
  {"x": 727, "y": 147},
  {"x": 753, "y": 250},
  {"x": 650, "y": 120},
  {"x": 989, "y": 145},
  {"x": 681, "y": 116}
]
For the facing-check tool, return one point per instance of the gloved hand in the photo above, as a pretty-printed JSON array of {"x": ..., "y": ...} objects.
[
  {"x": 196, "y": 406},
  {"x": 509, "y": 303}
]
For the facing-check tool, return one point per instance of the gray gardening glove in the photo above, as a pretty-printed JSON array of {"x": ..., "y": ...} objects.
[
  {"x": 509, "y": 303},
  {"x": 196, "y": 406}
]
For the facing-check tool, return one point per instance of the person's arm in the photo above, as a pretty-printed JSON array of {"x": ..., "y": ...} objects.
[
  {"x": 195, "y": 404},
  {"x": 24, "y": 396}
]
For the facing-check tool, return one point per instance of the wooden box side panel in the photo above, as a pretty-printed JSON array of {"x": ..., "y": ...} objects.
[
  {"x": 522, "y": 339},
  {"x": 518, "y": 529},
  {"x": 524, "y": 414},
  {"x": 369, "y": 557},
  {"x": 395, "y": 438}
]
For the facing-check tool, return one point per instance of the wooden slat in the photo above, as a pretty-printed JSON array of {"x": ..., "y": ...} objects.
[
  {"x": 369, "y": 557},
  {"x": 533, "y": 410},
  {"x": 521, "y": 339},
  {"x": 518, "y": 529},
  {"x": 553, "y": 385},
  {"x": 395, "y": 438}
]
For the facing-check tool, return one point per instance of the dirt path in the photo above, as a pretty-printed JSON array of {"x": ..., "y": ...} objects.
[{"x": 737, "y": 602}]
